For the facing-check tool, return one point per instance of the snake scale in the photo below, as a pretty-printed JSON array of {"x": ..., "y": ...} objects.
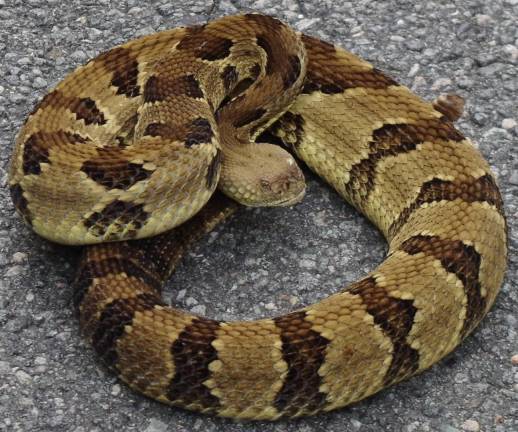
[{"x": 135, "y": 142}]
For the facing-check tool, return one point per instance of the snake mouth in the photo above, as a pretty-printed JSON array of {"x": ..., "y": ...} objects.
[
  {"x": 292, "y": 200},
  {"x": 285, "y": 202}
]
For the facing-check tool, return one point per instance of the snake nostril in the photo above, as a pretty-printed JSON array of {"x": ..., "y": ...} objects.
[{"x": 265, "y": 185}]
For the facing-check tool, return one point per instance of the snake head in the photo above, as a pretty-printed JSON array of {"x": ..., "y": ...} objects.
[{"x": 262, "y": 175}]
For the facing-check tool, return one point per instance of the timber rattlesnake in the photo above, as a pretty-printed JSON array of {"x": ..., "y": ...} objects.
[{"x": 135, "y": 142}]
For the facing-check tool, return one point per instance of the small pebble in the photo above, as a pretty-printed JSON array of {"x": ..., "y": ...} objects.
[
  {"x": 198, "y": 424},
  {"x": 191, "y": 301},
  {"x": 415, "y": 45},
  {"x": 306, "y": 23},
  {"x": 512, "y": 51},
  {"x": 79, "y": 55},
  {"x": 509, "y": 123},
  {"x": 94, "y": 33},
  {"x": 461, "y": 378},
  {"x": 39, "y": 82},
  {"x": 357, "y": 425},
  {"x": 413, "y": 427},
  {"x": 14, "y": 271},
  {"x": 19, "y": 257},
  {"x": 419, "y": 81},
  {"x": 491, "y": 69},
  {"x": 479, "y": 118},
  {"x": 465, "y": 82},
  {"x": 135, "y": 10},
  {"x": 156, "y": 426},
  {"x": 499, "y": 419},
  {"x": 307, "y": 264},
  {"x": 199, "y": 309},
  {"x": 484, "y": 59},
  {"x": 483, "y": 20},
  {"x": 144, "y": 31},
  {"x": 441, "y": 83},
  {"x": 23, "y": 377},
  {"x": 40, "y": 360},
  {"x": 414, "y": 70},
  {"x": 294, "y": 300},
  {"x": 397, "y": 38},
  {"x": 514, "y": 360},
  {"x": 471, "y": 426},
  {"x": 24, "y": 61}
]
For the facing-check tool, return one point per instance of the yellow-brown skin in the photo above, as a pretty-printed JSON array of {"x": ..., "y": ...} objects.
[
  {"x": 393, "y": 156},
  {"x": 132, "y": 144}
]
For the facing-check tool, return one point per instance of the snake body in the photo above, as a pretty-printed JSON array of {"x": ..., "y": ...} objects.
[{"x": 398, "y": 159}]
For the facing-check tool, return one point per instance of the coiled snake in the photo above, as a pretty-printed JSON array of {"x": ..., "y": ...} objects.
[{"x": 135, "y": 142}]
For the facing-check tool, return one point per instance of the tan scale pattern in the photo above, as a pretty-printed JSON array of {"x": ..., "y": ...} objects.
[
  {"x": 141, "y": 135},
  {"x": 248, "y": 372},
  {"x": 140, "y": 339},
  {"x": 430, "y": 160},
  {"x": 352, "y": 370},
  {"x": 476, "y": 224},
  {"x": 437, "y": 323}
]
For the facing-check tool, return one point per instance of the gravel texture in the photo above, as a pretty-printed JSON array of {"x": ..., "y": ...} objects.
[{"x": 263, "y": 262}]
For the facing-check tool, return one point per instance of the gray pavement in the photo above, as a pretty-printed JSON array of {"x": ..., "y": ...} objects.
[{"x": 263, "y": 262}]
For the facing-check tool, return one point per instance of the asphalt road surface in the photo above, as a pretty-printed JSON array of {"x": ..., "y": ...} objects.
[{"x": 264, "y": 261}]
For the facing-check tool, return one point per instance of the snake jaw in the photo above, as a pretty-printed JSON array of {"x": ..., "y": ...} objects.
[{"x": 293, "y": 200}]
